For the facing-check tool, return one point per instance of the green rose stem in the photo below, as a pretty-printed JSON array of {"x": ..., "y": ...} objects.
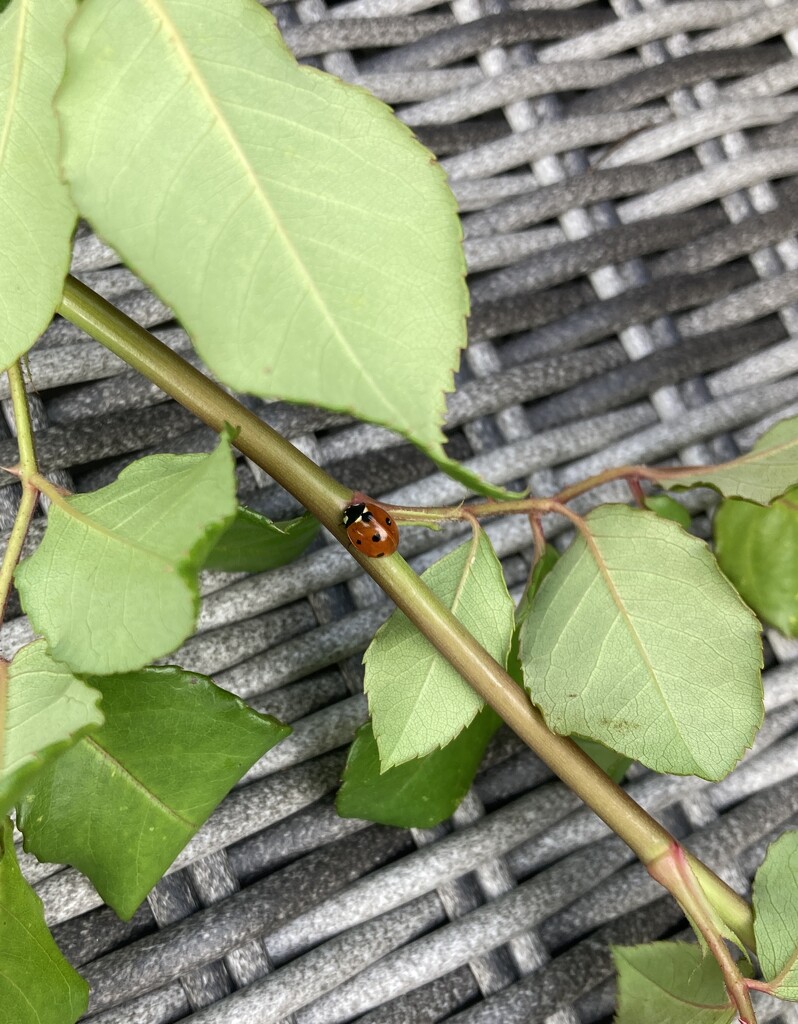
[{"x": 325, "y": 499}]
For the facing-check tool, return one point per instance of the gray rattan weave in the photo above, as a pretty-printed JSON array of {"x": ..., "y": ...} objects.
[{"x": 628, "y": 177}]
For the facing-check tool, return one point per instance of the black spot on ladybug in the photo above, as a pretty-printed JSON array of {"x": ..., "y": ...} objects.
[
  {"x": 366, "y": 517},
  {"x": 376, "y": 538},
  {"x": 381, "y": 554},
  {"x": 360, "y": 542},
  {"x": 387, "y": 520}
]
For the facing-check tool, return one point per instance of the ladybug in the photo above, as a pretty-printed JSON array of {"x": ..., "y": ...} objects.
[{"x": 371, "y": 529}]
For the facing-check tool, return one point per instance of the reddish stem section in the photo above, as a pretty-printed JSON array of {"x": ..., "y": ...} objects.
[
  {"x": 636, "y": 488},
  {"x": 673, "y": 870}
]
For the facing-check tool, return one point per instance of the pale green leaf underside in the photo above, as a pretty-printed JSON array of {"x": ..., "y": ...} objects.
[
  {"x": 123, "y": 802},
  {"x": 418, "y": 702},
  {"x": 767, "y": 471},
  {"x": 112, "y": 586},
  {"x": 637, "y": 640},
  {"x": 37, "y": 985},
  {"x": 775, "y": 899},
  {"x": 36, "y": 214},
  {"x": 669, "y": 983},
  {"x": 307, "y": 242},
  {"x": 46, "y": 710}
]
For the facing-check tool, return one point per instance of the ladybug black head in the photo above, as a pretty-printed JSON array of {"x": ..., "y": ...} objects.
[{"x": 354, "y": 512}]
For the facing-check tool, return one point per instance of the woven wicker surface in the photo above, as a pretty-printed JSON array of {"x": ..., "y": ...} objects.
[{"x": 628, "y": 176}]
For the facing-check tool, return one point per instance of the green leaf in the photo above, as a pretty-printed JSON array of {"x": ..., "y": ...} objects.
[
  {"x": 637, "y": 640},
  {"x": 305, "y": 239},
  {"x": 467, "y": 477},
  {"x": 418, "y": 701},
  {"x": 36, "y": 215},
  {"x": 419, "y": 793},
  {"x": 253, "y": 543},
  {"x": 121, "y": 804},
  {"x": 775, "y": 899},
  {"x": 540, "y": 571},
  {"x": 667, "y": 508},
  {"x": 757, "y": 548},
  {"x": 609, "y": 761},
  {"x": 670, "y": 982},
  {"x": 113, "y": 584},
  {"x": 44, "y": 709},
  {"x": 37, "y": 985},
  {"x": 767, "y": 471}
]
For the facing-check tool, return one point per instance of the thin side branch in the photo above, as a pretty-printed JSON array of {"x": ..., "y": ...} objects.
[{"x": 27, "y": 468}]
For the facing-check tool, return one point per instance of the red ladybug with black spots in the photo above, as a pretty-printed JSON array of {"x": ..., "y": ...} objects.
[{"x": 370, "y": 528}]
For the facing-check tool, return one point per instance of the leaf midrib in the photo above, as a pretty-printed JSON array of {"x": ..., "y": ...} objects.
[
  {"x": 91, "y": 524},
  {"x": 156, "y": 6},
  {"x": 133, "y": 780},
  {"x": 603, "y": 569}
]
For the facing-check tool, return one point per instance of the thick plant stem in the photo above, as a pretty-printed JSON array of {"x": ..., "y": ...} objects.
[
  {"x": 27, "y": 466},
  {"x": 318, "y": 492},
  {"x": 325, "y": 498}
]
